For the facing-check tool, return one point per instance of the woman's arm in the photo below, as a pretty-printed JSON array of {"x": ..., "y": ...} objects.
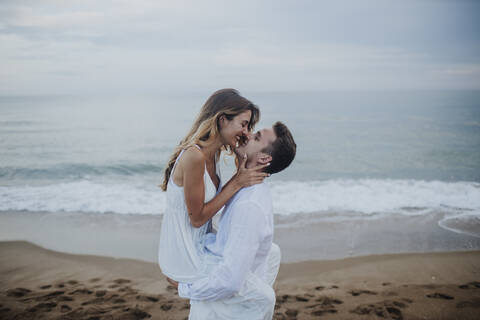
[{"x": 194, "y": 186}]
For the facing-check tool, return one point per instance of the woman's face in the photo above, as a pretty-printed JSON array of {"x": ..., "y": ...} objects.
[{"x": 233, "y": 131}]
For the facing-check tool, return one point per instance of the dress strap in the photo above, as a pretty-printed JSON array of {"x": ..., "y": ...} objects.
[
  {"x": 198, "y": 147},
  {"x": 175, "y": 164},
  {"x": 217, "y": 170},
  {"x": 178, "y": 158}
]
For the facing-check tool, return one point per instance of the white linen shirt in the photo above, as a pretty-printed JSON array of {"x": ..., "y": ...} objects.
[{"x": 241, "y": 245}]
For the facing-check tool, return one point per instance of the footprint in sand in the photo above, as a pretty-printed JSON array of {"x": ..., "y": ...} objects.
[
  {"x": 437, "y": 295},
  {"x": 45, "y": 287},
  {"x": 100, "y": 293},
  {"x": 80, "y": 291},
  {"x": 389, "y": 294},
  {"x": 121, "y": 281},
  {"x": 325, "y": 305},
  {"x": 64, "y": 298},
  {"x": 470, "y": 285},
  {"x": 65, "y": 308},
  {"x": 95, "y": 301},
  {"x": 328, "y": 301},
  {"x": 134, "y": 313},
  {"x": 321, "y": 312},
  {"x": 359, "y": 292},
  {"x": 325, "y": 302},
  {"x": 283, "y": 298},
  {"x": 166, "y": 307},
  {"x": 44, "y": 306},
  {"x": 128, "y": 290},
  {"x": 49, "y": 296},
  {"x": 119, "y": 300},
  {"x": 302, "y": 298},
  {"x": 72, "y": 282},
  {"x": 291, "y": 312},
  {"x": 474, "y": 303},
  {"x": 386, "y": 309},
  {"x": 147, "y": 298},
  {"x": 17, "y": 292},
  {"x": 4, "y": 310}
]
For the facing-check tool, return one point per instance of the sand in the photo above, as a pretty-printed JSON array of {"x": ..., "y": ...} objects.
[
  {"x": 36, "y": 283},
  {"x": 302, "y": 237}
]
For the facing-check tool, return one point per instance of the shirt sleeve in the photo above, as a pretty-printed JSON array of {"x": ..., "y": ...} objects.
[{"x": 227, "y": 278}]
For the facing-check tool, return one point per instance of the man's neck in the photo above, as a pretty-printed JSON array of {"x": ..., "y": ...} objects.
[{"x": 249, "y": 163}]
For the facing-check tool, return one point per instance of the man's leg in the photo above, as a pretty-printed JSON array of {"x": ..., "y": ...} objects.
[
  {"x": 273, "y": 264},
  {"x": 256, "y": 301}
]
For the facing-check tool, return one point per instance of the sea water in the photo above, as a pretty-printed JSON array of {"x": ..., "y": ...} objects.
[{"x": 360, "y": 155}]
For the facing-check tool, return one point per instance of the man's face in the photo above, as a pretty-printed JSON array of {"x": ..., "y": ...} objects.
[{"x": 255, "y": 144}]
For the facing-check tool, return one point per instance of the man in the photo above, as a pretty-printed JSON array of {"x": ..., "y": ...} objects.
[{"x": 240, "y": 263}]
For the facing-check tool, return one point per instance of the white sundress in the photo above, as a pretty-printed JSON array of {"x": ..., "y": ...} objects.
[{"x": 181, "y": 244}]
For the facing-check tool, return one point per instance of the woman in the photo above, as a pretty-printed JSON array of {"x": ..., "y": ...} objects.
[{"x": 192, "y": 183}]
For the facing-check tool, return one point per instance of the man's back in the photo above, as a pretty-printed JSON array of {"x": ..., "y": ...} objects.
[
  {"x": 251, "y": 209},
  {"x": 241, "y": 247}
]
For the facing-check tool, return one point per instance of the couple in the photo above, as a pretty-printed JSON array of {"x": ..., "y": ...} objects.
[{"x": 226, "y": 273}]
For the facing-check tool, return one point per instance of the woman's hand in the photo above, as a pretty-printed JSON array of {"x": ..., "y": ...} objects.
[{"x": 249, "y": 176}]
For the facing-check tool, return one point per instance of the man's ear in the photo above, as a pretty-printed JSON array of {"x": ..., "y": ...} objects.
[{"x": 264, "y": 158}]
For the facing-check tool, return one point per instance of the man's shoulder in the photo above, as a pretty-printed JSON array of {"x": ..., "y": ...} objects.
[
  {"x": 258, "y": 194},
  {"x": 252, "y": 192}
]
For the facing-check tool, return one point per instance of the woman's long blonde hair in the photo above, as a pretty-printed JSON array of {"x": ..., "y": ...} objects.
[{"x": 205, "y": 129}]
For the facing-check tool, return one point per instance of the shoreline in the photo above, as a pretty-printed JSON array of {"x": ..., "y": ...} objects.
[
  {"x": 38, "y": 282},
  {"x": 301, "y": 238}
]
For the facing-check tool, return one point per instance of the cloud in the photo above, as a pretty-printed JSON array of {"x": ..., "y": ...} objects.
[
  {"x": 268, "y": 45},
  {"x": 464, "y": 70}
]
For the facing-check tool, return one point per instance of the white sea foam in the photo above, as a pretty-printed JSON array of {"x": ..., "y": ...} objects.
[
  {"x": 365, "y": 197},
  {"x": 370, "y": 196},
  {"x": 467, "y": 223},
  {"x": 84, "y": 196}
]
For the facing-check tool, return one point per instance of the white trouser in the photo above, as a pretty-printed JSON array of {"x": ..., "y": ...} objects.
[
  {"x": 256, "y": 299},
  {"x": 273, "y": 264}
]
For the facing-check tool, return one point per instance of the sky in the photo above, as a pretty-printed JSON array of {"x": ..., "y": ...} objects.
[{"x": 146, "y": 46}]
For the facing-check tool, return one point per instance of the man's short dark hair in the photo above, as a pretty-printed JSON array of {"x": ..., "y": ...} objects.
[{"x": 282, "y": 150}]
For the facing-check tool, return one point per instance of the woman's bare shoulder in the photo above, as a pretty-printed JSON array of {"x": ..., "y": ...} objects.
[{"x": 193, "y": 158}]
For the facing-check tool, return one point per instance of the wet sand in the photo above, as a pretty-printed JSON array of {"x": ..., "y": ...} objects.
[
  {"x": 37, "y": 283},
  {"x": 301, "y": 237}
]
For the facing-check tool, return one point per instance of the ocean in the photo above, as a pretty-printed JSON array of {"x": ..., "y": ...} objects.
[{"x": 361, "y": 155}]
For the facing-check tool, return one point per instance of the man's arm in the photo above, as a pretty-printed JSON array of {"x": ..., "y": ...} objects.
[{"x": 226, "y": 278}]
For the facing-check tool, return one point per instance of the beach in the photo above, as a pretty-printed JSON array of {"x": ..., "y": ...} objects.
[
  {"x": 104, "y": 266},
  {"x": 36, "y": 283},
  {"x": 377, "y": 217}
]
